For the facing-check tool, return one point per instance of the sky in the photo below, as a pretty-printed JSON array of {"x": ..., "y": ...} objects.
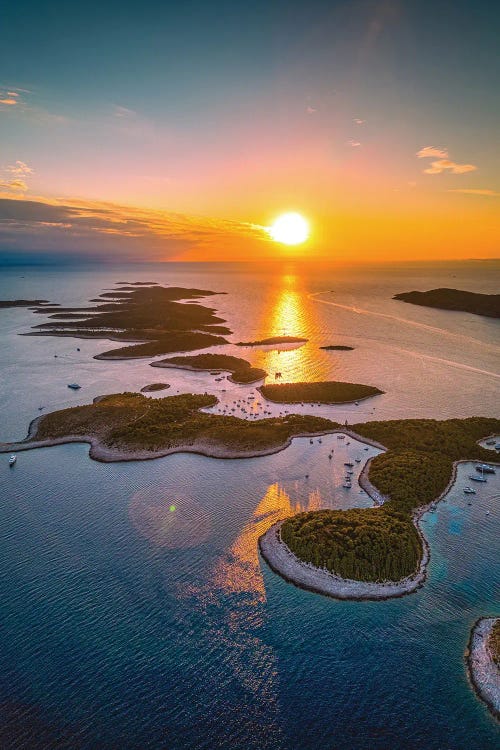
[{"x": 180, "y": 131}]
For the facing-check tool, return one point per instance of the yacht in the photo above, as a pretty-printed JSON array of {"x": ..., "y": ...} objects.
[
  {"x": 340, "y": 437},
  {"x": 486, "y": 468},
  {"x": 358, "y": 460},
  {"x": 74, "y": 386},
  {"x": 347, "y": 484},
  {"x": 477, "y": 478},
  {"x": 348, "y": 463},
  {"x": 469, "y": 491},
  {"x": 12, "y": 460},
  {"x": 490, "y": 442}
]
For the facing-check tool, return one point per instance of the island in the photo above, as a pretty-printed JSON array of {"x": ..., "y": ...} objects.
[
  {"x": 154, "y": 387},
  {"x": 483, "y": 661},
  {"x": 337, "y": 348},
  {"x": 455, "y": 299},
  {"x": 361, "y": 553},
  {"x": 151, "y": 318},
  {"x": 380, "y": 552},
  {"x": 130, "y": 426},
  {"x": 241, "y": 370},
  {"x": 5, "y": 303},
  {"x": 326, "y": 392},
  {"x": 274, "y": 340}
]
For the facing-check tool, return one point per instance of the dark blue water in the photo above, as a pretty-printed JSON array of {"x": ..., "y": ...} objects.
[{"x": 128, "y": 624}]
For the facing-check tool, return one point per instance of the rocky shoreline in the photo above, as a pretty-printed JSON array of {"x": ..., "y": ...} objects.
[{"x": 483, "y": 672}]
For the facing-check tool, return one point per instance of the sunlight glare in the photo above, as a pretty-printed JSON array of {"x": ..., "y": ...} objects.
[{"x": 289, "y": 229}]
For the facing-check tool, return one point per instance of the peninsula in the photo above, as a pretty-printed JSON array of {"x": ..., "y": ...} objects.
[
  {"x": 241, "y": 370},
  {"x": 326, "y": 392},
  {"x": 455, "y": 299}
]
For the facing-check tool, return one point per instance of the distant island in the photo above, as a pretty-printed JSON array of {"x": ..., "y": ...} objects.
[
  {"x": 455, "y": 299},
  {"x": 274, "y": 340},
  {"x": 326, "y": 392},
  {"x": 241, "y": 370},
  {"x": 154, "y": 387},
  {"x": 5, "y": 303},
  {"x": 483, "y": 661},
  {"x": 150, "y": 318},
  {"x": 337, "y": 348}
]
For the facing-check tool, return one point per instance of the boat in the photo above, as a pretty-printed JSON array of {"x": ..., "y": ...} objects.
[
  {"x": 490, "y": 442},
  {"x": 469, "y": 491},
  {"x": 477, "y": 478},
  {"x": 486, "y": 468},
  {"x": 12, "y": 460},
  {"x": 74, "y": 386},
  {"x": 348, "y": 463},
  {"x": 358, "y": 460},
  {"x": 347, "y": 485},
  {"x": 340, "y": 437}
]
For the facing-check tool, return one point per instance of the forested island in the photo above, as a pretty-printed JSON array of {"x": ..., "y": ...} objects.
[
  {"x": 241, "y": 370},
  {"x": 337, "y": 348},
  {"x": 455, "y": 299},
  {"x": 152, "y": 387},
  {"x": 371, "y": 545},
  {"x": 153, "y": 319},
  {"x": 384, "y": 544},
  {"x": 325, "y": 392}
]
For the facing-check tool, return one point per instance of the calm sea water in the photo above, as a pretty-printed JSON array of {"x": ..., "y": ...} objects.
[{"x": 136, "y": 612}]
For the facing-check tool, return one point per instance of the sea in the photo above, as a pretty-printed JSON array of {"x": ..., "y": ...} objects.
[{"x": 136, "y": 611}]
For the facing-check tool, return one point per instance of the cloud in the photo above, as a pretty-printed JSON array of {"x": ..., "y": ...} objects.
[
  {"x": 358, "y": 121},
  {"x": 310, "y": 110},
  {"x": 20, "y": 167},
  {"x": 476, "y": 191},
  {"x": 445, "y": 165},
  {"x": 112, "y": 231},
  {"x": 353, "y": 143},
  {"x": 13, "y": 186},
  {"x": 429, "y": 152},
  {"x": 123, "y": 111}
]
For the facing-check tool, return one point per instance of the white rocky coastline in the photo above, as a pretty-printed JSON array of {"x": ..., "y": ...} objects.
[{"x": 484, "y": 673}]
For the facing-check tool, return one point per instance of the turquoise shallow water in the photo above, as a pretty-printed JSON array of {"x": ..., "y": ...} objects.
[{"x": 136, "y": 612}]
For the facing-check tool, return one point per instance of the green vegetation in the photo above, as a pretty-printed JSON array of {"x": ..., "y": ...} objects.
[
  {"x": 455, "y": 299},
  {"x": 494, "y": 642},
  {"x": 362, "y": 544},
  {"x": 274, "y": 340},
  {"x": 130, "y": 422},
  {"x": 328, "y": 392},
  {"x": 241, "y": 370},
  {"x": 152, "y": 316},
  {"x": 415, "y": 470},
  {"x": 337, "y": 348},
  {"x": 154, "y": 387}
]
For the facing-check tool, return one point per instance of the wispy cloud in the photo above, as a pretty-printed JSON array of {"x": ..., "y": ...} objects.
[
  {"x": 311, "y": 110},
  {"x": 111, "y": 230},
  {"x": 353, "y": 143},
  {"x": 358, "y": 121},
  {"x": 445, "y": 165},
  {"x": 20, "y": 167},
  {"x": 432, "y": 152},
  {"x": 13, "y": 186},
  {"x": 123, "y": 111},
  {"x": 476, "y": 191},
  {"x": 442, "y": 164}
]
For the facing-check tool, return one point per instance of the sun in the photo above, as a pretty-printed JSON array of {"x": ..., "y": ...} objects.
[{"x": 290, "y": 229}]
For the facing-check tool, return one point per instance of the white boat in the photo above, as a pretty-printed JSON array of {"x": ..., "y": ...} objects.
[
  {"x": 12, "y": 460},
  {"x": 486, "y": 468},
  {"x": 347, "y": 485},
  {"x": 74, "y": 386},
  {"x": 477, "y": 478},
  {"x": 469, "y": 491}
]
